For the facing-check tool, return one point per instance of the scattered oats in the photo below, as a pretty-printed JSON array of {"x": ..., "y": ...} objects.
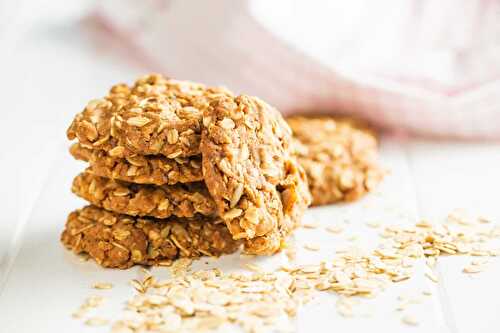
[
  {"x": 312, "y": 247},
  {"x": 93, "y": 301},
  {"x": 80, "y": 313},
  {"x": 427, "y": 292},
  {"x": 431, "y": 262},
  {"x": 308, "y": 269},
  {"x": 121, "y": 327},
  {"x": 254, "y": 268},
  {"x": 495, "y": 252},
  {"x": 473, "y": 269},
  {"x": 291, "y": 253},
  {"x": 478, "y": 253},
  {"x": 96, "y": 321},
  {"x": 400, "y": 278},
  {"x": 373, "y": 224},
  {"x": 408, "y": 262},
  {"x": 263, "y": 301},
  {"x": 458, "y": 216},
  {"x": 423, "y": 224},
  {"x": 145, "y": 271},
  {"x": 102, "y": 285},
  {"x": 463, "y": 248},
  {"x": 148, "y": 281},
  {"x": 480, "y": 262},
  {"x": 431, "y": 276},
  {"x": 344, "y": 308},
  {"x": 323, "y": 285},
  {"x": 138, "y": 286},
  {"x": 409, "y": 320},
  {"x": 181, "y": 266},
  {"x": 402, "y": 306},
  {"x": 344, "y": 311},
  {"x": 415, "y": 300},
  {"x": 482, "y": 219},
  {"x": 286, "y": 267},
  {"x": 334, "y": 229},
  {"x": 310, "y": 225}
]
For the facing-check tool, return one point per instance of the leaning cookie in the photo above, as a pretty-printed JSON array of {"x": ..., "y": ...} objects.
[
  {"x": 339, "y": 156},
  {"x": 120, "y": 241},
  {"x": 181, "y": 200},
  {"x": 259, "y": 188},
  {"x": 155, "y": 116},
  {"x": 151, "y": 169}
]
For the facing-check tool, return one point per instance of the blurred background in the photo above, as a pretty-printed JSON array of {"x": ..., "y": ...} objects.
[{"x": 427, "y": 68}]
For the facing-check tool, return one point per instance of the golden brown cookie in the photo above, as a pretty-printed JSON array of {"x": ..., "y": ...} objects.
[
  {"x": 151, "y": 169},
  {"x": 155, "y": 116},
  {"x": 121, "y": 241},
  {"x": 182, "y": 200},
  {"x": 339, "y": 156},
  {"x": 259, "y": 188}
]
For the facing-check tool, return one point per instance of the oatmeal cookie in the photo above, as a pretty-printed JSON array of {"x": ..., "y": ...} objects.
[
  {"x": 339, "y": 156},
  {"x": 121, "y": 241},
  {"x": 182, "y": 200},
  {"x": 155, "y": 116},
  {"x": 139, "y": 169},
  {"x": 258, "y": 186}
]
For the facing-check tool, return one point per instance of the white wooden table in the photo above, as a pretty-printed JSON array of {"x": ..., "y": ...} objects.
[{"x": 41, "y": 284}]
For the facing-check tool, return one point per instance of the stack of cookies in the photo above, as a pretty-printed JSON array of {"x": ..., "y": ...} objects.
[{"x": 177, "y": 169}]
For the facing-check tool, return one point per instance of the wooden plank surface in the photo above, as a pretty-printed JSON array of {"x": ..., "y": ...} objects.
[{"x": 466, "y": 176}]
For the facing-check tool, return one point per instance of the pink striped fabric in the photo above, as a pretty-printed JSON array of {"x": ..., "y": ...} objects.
[{"x": 419, "y": 66}]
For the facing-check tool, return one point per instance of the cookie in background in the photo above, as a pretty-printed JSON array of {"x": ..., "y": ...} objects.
[{"x": 339, "y": 156}]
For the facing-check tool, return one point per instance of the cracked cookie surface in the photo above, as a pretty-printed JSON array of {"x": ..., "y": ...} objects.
[
  {"x": 258, "y": 186},
  {"x": 182, "y": 200},
  {"x": 339, "y": 156},
  {"x": 121, "y": 241},
  {"x": 155, "y": 116}
]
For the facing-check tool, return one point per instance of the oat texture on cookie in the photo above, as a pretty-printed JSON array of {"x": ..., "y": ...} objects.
[
  {"x": 339, "y": 156},
  {"x": 155, "y": 116},
  {"x": 140, "y": 169},
  {"x": 164, "y": 153},
  {"x": 182, "y": 200},
  {"x": 248, "y": 166},
  {"x": 121, "y": 241}
]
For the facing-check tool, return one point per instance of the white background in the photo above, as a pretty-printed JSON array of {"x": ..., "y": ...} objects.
[{"x": 50, "y": 67}]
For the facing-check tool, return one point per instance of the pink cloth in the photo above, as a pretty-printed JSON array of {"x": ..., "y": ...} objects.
[{"x": 428, "y": 67}]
